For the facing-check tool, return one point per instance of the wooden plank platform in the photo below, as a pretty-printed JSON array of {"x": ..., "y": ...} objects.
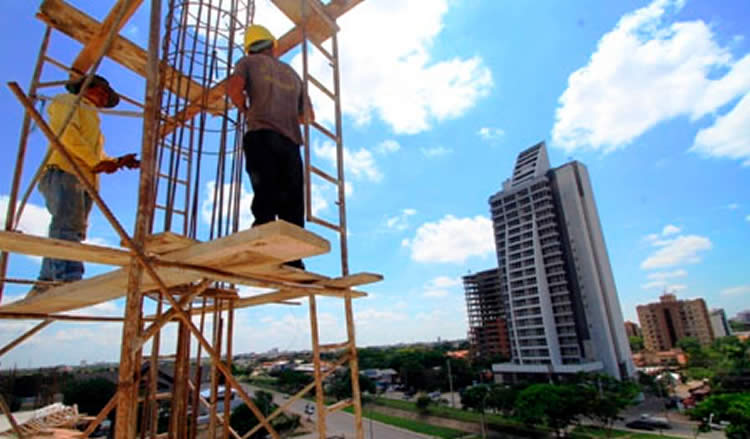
[
  {"x": 320, "y": 25},
  {"x": 262, "y": 246}
]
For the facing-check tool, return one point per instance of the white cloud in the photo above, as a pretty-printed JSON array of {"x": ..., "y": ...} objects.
[
  {"x": 34, "y": 219},
  {"x": 736, "y": 291},
  {"x": 670, "y": 229},
  {"x": 747, "y": 218},
  {"x": 647, "y": 70},
  {"x": 657, "y": 284},
  {"x": 487, "y": 133},
  {"x": 733, "y": 206},
  {"x": 452, "y": 240},
  {"x": 400, "y": 221},
  {"x": 729, "y": 136},
  {"x": 359, "y": 164},
  {"x": 684, "y": 249},
  {"x": 445, "y": 282},
  {"x": 673, "y": 288},
  {"x": 402, "y": 90},
  {"x": 132, "y": 30},
  {"x": 433, "y": 294},
  {"x": 661, "y": 275},
  {"x": 436, "y": 151},
  {"x": 439, "y": 286},
  {"x": 246, "y": 200},
  {"x": 387, "y": 146}
]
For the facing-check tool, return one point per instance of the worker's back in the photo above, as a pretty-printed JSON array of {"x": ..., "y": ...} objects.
[{"x": 275, "y": 93}]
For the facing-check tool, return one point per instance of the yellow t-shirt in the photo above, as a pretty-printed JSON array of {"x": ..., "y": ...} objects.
[{"x": 82, "y": 138}]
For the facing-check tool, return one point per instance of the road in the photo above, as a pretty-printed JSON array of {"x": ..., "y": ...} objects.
[{"x": 342, "y": 423}]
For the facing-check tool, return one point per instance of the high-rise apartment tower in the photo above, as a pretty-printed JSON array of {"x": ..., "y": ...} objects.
[{"x": 559, "y": 295}]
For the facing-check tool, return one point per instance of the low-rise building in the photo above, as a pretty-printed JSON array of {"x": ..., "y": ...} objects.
[
  {"x": 719, "y": 323},
  {"x": 632, "y": 329}
]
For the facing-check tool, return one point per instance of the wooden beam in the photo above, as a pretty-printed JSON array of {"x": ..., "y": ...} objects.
[
  {"x": 270, "y": 243},
  {"x": 87, "y": 56},
  {"x": 214, "y": 97},
  {"x": 83, "y": 28},
  {"x": 14, "y": 242},
  {"x": 320, "y": 25},
  {"x": 352, "y": 280}
]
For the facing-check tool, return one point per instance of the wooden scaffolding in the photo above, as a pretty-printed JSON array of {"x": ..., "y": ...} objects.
[{"x": 164, "y": 260}]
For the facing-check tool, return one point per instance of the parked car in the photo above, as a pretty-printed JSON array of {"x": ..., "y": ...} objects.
[
  {"x": 647, "y": 422},
  {"x": 640, "y": 424}
]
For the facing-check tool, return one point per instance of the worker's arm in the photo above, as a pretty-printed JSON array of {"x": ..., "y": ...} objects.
[{"x": 236, "y": 91}]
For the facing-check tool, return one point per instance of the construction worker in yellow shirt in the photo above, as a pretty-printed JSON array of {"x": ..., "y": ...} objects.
[
  {"x": 65, "y": 197},
  {"x": 277, "y": 106}
]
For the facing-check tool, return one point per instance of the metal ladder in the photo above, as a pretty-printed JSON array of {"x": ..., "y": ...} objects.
[{"x": 335, "y": 135}]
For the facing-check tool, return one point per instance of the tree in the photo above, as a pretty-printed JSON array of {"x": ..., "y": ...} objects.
[
  {"x": 91, "y": 395},
  {"x": 555, "y": 406},
  {"x": 636, "y": 343},
  {"x": 475, "y": 398},
  {"x": 243, "y": 420},
  {"x": 341, "y": 385},
  {"x": 291, "y": 381},
  {"x": 502, "y": 398},
  {"x": 423, "y": 404},
  {"x": 731, "y": 407},
  {"x": 607, "y": 397}
]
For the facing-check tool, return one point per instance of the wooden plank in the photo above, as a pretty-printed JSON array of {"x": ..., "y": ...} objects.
[
  {"x": 214, "y": 97},
  {"x": 165, "y": 242},
  {"x": 278, "y": 296},
  {"x": 87, "y": 57},
  {"x": 353, "y": 280},
  {"x": 270, "y": 243},
  {"x": 320, "y": 25},
  {"x": 83, "y": 28},
  {"x": 57, "y": 248}
]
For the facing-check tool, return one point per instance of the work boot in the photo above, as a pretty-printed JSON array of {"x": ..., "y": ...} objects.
[{"x": 296, "y": 264}]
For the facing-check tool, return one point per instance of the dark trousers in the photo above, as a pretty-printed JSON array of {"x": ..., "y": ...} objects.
[{"x": 274, "y": 164}]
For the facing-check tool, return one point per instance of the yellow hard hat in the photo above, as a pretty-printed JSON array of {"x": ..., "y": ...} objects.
[{"x": 258, "y": 38}]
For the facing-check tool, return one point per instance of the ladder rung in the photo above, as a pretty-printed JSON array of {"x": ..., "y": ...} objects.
[
  {"x": 322, "y": 50},
  {"x": 317, "y": 171},
  {"x": 324, "y": 223},
  {"x": 321, "y": 87},
  {"x": 333, "y": 346},
  {"x": 325, "y": 131},
  {"x": 179, "y": 212},
  {"x": 339, "y": 405},
  {"x": 178, "y": 180}
]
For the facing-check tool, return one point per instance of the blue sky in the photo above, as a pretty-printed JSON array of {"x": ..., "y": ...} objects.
[{"x": 439, "y": 97}]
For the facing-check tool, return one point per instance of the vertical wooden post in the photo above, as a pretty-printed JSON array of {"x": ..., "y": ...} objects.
[
  {"x": 343, "y": 240},
  {"x": 179, "y": 392},
  {"x": 218, "y": 325},
  {"x": 319, "y": 398},
  {"x": 227, "y": 385},
  {"x": 354, "y": 368},
  {"x": 127, "y": 396}
]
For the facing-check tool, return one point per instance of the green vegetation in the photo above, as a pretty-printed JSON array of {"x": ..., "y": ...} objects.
[
  {"x": 243, "y": 420},
  {"x": 91, "y": 395},
  {"x": 421, "y": 369},
  {"x": 341, "y": 385},
  {"x": 411, "y": 425},
  {"x": 726, "y": 362},
  {"x": 595, "y": 432},
  {"x": 423, "y": 404},
  {"x": 636, "y": 343},
  {"x": 731, "y": 407}
]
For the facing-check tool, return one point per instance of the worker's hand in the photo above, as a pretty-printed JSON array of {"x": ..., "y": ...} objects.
[
  {"x": 106, "y": 166},
  {"x": 128, "y": 161}
]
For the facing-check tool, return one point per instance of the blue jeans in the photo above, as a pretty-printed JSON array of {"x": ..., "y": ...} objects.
[{"x": 70, "y": 205}]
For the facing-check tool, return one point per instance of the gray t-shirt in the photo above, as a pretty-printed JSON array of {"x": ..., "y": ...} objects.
[{"x": 275, "y": 93}]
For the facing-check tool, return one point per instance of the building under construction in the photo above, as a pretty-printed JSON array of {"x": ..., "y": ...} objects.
[{"x": 186, "y": 270}]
